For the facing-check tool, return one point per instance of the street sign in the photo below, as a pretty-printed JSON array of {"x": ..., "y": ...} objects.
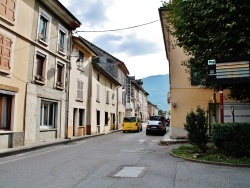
[{"x": 229, "y": 70}]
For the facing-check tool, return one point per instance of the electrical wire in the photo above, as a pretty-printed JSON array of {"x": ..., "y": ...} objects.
[{"x": 110, "y": 30}]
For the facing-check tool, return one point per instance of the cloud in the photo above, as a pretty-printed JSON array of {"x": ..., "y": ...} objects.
[
  {"x": 90, "y": 13},
  {"x": 129, "y": 44},
  {"x": 141, "y": 48}
]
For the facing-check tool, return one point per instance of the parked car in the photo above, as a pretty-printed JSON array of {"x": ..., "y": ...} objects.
[
  {"x": 131, "y": 124},
  {"x": 156, "y": 127},
  {"x": 158, "y": 118}
]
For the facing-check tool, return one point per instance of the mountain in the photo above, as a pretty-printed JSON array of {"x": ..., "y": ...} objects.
[{"x": 157, "y": 86}]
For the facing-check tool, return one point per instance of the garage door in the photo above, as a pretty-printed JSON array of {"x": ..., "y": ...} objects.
[{"x": 241, "y": 112}]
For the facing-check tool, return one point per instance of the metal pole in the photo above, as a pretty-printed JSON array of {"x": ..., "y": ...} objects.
[
  {"x": 215, "y": 119},
  {"x": 232, "y": 111},
  {"x": 221, "y": 105}
]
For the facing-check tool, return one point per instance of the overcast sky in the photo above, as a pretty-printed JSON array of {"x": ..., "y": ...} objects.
[{"x": 140, "y": 48}]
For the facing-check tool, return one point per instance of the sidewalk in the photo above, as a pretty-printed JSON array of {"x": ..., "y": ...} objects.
[
  {"x": 167, "y": 140},
  {"x": 31, "y": 147}
]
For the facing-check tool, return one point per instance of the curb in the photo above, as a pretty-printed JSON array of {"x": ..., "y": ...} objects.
[{"x": 210, "y": 162}]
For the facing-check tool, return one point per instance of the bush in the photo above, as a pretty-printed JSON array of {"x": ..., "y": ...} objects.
[
  {"x": 232, "y": 139},
  {"x": 197, "y": 127}
]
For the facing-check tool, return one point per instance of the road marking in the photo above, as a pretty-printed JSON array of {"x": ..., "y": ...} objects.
[{"x": 141, "y": 141}]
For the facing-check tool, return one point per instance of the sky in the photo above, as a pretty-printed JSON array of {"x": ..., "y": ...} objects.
[{"x": 141, "y": 49}]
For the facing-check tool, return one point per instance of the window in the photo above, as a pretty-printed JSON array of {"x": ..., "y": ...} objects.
[
  {"x": 97, "y": 93},
  {"x": 79, "y": 90},
  {"x": 123, "y": 98},
  {"x": 110, "y": 85},
  {"x": 60, "y": 75},
  {"x": 113, "y": 99},
  {"x": 62, "y": 39},
  {"x": 5, "y": 111},
  {"x": 47, "y": 114},
  {"x": 5, "y": 53},
  {"x": 106, "y": 118},
  {"x": 81, "y": 59},
  {"x": 44, "y": 26},
  {"x": 40, "y": 67},
  {"x": 81, "y": 56},
  {"x": 7, "y": 9},
  {"x": 98, "y": 77},
  {"x": 107, "y": 97}
]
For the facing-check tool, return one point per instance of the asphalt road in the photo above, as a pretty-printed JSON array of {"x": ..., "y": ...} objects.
[{"x": 117, "y": 160}]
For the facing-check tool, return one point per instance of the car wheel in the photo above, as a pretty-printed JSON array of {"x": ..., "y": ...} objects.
[
  {"x": 141, "y": 128},
  {"x": 147, "y": 133}
]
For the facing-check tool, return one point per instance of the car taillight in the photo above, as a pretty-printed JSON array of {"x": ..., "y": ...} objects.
[
  {"x": 160, "y": 127},
  {"x": 147, "y": 126},
  {"x": 136, "y": 124},
  {"x": 123, "y": 124}
]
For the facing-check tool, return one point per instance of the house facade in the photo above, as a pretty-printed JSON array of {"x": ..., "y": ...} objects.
[
  {"x": 15, "y": 39},
  {"x": 136, "y": 104},
  {"x": 79, "y": 88},
  {"x": 48, "y": 77},
  {"x": 187, "y": 92},
  {"x": 107, "y": 92},
  {"x": 152, "y": 109}
]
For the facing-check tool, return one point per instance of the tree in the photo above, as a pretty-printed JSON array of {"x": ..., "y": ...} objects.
[
  {"x": 207, "y": 28},
  {"x": 160, "y": 112}
]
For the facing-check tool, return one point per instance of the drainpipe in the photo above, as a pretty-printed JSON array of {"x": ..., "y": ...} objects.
[
  {"x": 89, "y": 110},
  {"x": 67, "y": 88},
  {"x": 117, "y": 102}
]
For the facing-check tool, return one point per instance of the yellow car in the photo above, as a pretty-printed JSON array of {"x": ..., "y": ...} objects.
[{"x": 131, "y": 124}]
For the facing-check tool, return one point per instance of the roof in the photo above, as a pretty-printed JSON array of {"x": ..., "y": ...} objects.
[
  {"x": 59, "y": 10},
  {"x": 101, "y": 52},
  {"x": 139, "y": 87},
  {"x": 81, "y": 42},
  {"x": 105, "y": 73},
  {"x": 161, "y": 11}
]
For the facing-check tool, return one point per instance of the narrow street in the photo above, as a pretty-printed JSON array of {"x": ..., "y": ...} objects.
[{"x": 114, "y": 160}]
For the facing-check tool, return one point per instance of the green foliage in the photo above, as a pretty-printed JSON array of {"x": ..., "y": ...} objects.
[
  {"x": 160, "y": 112},
  {"x": 207, "y": 28},
  {"x": 197, "y": 127},
  {"x": 232, "y": 139}
]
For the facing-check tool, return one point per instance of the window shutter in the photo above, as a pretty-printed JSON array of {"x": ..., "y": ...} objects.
[
  {"x": 3, "y": 7},
  {"x": 80, "y": 89},
  {"x": 11, "y": 7},
  {"x": 8, "y": 8},
  {"x": 1, "y": 49},
  {"x": 5, "y": 52}
]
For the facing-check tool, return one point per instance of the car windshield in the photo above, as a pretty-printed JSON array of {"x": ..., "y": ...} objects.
[
  {"x": 155, "y": 118},
  {"x": 129, "y": 119}
]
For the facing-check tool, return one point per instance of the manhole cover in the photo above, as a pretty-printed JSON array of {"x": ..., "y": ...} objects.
[{"x": 128, "y": 172}]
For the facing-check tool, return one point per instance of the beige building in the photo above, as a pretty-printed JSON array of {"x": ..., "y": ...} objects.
[
  {"x": 136, "y": 104},
  {"x": 106, "y": 91},
  {"x": 80, "y": 88},
  {"x": 152, "y": 109},
  {"x": 187, "y": 93},
  {"x": 48, "y": 65},
  {"x": 15, "y": 40}
]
